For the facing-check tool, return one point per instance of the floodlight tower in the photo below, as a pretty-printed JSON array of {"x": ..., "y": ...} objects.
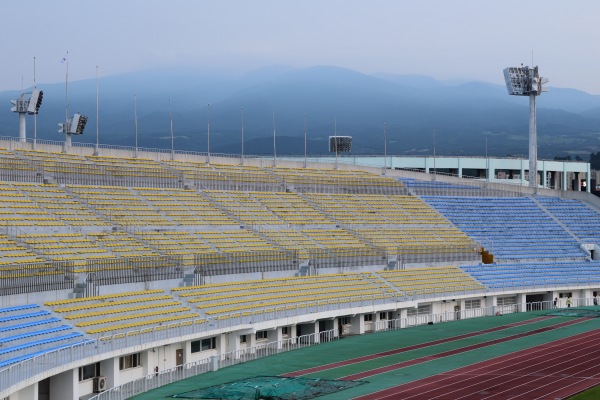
[
  {"x": 24, "y": 106},
  {"x": 339, "y": 144},
  {"x": 73, "y": 126},
  {"x": 525, "y": 81}
]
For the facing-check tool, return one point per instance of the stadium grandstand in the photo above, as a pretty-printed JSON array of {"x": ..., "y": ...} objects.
[{"x": 120, "y": 274}]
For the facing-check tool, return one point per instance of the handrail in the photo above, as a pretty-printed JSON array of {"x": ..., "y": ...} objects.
[{"x": 78, "y": 354}]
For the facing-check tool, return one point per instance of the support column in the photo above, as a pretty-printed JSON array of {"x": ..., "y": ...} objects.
[
  {"x": 532, "y": 143},
  {"x": 22, "y": 130},
  {"x": 521, "y": 301},
  {"x": 278, "y": 337},
  {"x": 544, "y": 175},
  {"x": 110, "y": 369},
  {"x": 357, "y": 324},
  {"x": 522, "y": 172},
  {"x": 28, "y": 393},
  {"x": 588, "y": 180},
  {"x": 65, "y": 386}
]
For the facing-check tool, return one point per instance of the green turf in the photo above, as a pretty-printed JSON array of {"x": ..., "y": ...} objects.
[
  {"x": 356, "y": 346},
  {"x": 592, "y": 394}
]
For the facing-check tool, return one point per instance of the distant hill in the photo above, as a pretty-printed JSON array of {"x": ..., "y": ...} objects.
[{"x": 412, "y": 106}]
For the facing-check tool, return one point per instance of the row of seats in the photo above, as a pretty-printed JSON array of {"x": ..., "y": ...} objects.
[
  {"x": 510, "y": 228},
  {"x": 536, "y": 274},
  {"x": 27, "y": 331}
]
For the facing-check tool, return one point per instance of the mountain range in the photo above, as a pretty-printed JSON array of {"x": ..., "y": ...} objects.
[{"x": 277, "y": 100}]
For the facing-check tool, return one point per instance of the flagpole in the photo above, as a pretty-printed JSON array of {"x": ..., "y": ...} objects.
[
  {"x": 242, "y": 135},
  {"x": 274, "y": 143},
  {"x": 304, "y": 140},
  {"x": 96, "y": 152},
  {"x": 172, "y": 137},
  {"x": 68, "y": 135},
  {"x": 34, "y": 115},
  {"x": 336, "y": 141},
  {"x": 208, "y": 137},
  {"x": 135, "y": 123}
]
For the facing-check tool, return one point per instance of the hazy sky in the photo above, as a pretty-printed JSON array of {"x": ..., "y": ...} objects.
[{"x": 446, "y": 39}]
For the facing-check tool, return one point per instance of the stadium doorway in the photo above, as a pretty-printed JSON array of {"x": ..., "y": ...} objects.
[
  {"x": 457, "y": 312},
  {"x": 536, "y": 301},
  {"x": 179, "y": 357}
]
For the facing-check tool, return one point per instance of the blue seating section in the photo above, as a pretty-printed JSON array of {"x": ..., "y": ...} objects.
[
  {"x": 26, "y": 332},
  {"x": 578, "y": 217},
  {"x": 527, "y": 275},
  {"x": 510, "y": 228},
  {"x": 418, "y": 184}
]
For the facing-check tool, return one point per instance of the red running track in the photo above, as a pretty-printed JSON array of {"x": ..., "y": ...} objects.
[
  {"x": 552, "y": 370},
  {"x": 403, "y": 364},
  {"x": 408, "y": 348}
]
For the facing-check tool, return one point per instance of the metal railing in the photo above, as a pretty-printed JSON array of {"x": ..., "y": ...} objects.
[
  {"x": 76, "y": 355},
  {"x": 214, "y": 363}
]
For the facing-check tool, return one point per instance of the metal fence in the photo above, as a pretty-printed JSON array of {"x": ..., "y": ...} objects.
[
  {"x": 35, "y": 277},
  {"x": 214, "y": 363},
  {"x": 185, "y": 371},
  {"x": 112, "y": 271},
  {"x": 77, "y": 355}
]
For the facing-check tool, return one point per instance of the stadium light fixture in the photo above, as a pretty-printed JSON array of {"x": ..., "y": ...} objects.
[
  {"x": 73, "y": 126},
  {"x": 339, "y": 144},
  {"x": 77, "y": 125},
  {"x": 24, "y": 106},
  {"x": 35, "y": 102},
  {"x": 526, "y": 81}
]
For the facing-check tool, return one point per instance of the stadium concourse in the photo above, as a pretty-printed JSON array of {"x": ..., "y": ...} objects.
[{"x": 122, "y": 270}]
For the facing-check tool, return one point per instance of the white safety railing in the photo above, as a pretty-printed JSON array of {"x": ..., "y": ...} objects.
[{"x": 214, "y": 363}]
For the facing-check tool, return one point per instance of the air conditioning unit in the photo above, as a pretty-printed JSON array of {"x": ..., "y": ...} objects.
[{"x": 99, "y": 384}]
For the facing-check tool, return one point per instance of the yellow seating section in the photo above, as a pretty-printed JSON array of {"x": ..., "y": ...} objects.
[
  {"x": 121, "y": 244},
  {"x": 243, "y": 207},
  {"x": 182, "y": 244},
  {"x": 431, "y": 280},
  {"x": 119, "y": 313},
  {"x": 376, "y": 209},
  {"x": 184, "y": 207},
  {"x": 417, "y": 240},
  {"x": 293, "y": 240},
  {"x": 308, "y": 176},
  {"x": 221, "y": 172},
  {"x": 339, "y": 241},
  {"x": 18, "y": 209},
  {"x": 133, "y": 167},
  {"x": 73, "y": 247},
  {"x": 58, "y": 162},
  {"x": 233, "y": 242},
  {"x": 14, "y": 255},
  {"x": 62, "y": 206},
  {"x": 282, "y": 293},
  {"x": 403, "y": 222},
  {"x": 291, "y": 208},
  {"x": 120, "y": 205}
]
